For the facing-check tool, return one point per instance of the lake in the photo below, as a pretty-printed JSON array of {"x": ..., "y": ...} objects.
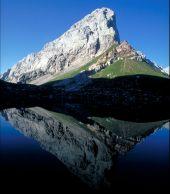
[{"x": 80, "y": 152}]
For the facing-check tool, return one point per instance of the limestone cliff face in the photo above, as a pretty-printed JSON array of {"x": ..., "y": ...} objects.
[
  {"x": 86, "y": 39},
  {"x": 87, "y": 149}
]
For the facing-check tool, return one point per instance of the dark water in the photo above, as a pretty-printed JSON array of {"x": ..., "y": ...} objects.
[{"x": 45, "y": 149}]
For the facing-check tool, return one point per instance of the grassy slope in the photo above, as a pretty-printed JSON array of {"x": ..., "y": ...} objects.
[
  {"x": 128, "y": 67},
  {"x": 83, "y": 68},
  {"x": 119, "y": 68},
  {"x": 75, "y": 72}
]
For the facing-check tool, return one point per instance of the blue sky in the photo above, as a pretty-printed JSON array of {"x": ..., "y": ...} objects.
[{"x": 26, "y": 25}]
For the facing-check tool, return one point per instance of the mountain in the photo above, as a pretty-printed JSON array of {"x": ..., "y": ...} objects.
[
  {"x": 91, "y": 45},
  {"x": 85, "y": 40},
  {"x": 119, "y": 60}
]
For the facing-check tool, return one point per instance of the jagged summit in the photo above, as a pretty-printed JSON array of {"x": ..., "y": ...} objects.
[{"x": 86, "y": 39}]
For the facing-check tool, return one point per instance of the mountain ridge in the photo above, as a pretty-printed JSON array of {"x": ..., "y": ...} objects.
[{"x": 87, "y": 40}]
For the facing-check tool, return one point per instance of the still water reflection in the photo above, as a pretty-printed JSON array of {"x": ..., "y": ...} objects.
[{"x": 98, "y": 151}]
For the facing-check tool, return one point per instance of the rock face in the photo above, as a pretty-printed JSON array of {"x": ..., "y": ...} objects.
[
  {"x": 166, "y": 70},
  {"x": 121, "y": 51},
  {"x": 125, "y": 50},
  {"x": 86, "y": 39}
]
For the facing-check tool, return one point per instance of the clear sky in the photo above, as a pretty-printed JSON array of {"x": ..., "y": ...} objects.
[{"x": 26, "y": 25}]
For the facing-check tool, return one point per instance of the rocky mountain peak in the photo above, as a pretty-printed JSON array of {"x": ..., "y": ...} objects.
[
  {"x": 86, "y": 39},
  {"x": 94, "y": 38},
  {"x": 124, "y": 46},
  {"x": 100, "y": 23}
]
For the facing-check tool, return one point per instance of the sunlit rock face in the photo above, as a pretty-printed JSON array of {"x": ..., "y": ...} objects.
[
  {"x": 166, "y": 70},
  {"x": 88, "y": 150},
  {"x": 121, "y": 51},
  {"x": 86, "y": 39}
]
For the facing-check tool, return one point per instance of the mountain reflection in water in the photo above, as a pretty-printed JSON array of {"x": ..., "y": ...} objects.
[{"x": 88, "y": 147}]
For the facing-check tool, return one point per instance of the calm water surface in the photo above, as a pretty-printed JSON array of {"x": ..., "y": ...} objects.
[{"x": 94, "y": 154}]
